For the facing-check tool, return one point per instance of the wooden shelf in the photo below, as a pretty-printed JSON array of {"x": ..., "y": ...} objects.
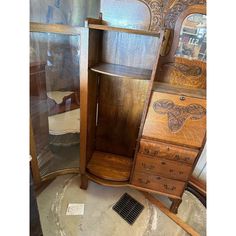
[
  {"x": 124, "y": 30},
  {"x": 173, "y": 89},
  {"x": 110, "y": 166},
  {"x": 122, "y": 71}
]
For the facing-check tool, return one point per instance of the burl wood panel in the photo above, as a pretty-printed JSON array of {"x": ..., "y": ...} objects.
[
  {"x": 121, "y": 102},
  {"x": 157, "y": 150},
  {"x": 109, "y": 166},
  {"x": 177, "y": 119},
  {"x": 158, "y": 183},
  {"x": 184, "y": 73},
  {"x": 169, "y": 169}
]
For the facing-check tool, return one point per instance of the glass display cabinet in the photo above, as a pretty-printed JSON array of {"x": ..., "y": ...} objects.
[{"x": 54, "y": 100}]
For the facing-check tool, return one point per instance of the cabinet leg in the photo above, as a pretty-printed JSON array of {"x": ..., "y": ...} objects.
[
  {"x": 175, "y": 205},
  {"x": 84, "y": 182}
]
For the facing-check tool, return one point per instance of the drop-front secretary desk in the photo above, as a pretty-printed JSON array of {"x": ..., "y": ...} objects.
[{"x": 143, "y": 106}]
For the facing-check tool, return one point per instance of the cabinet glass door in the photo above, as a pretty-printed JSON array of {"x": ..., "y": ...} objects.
[{"x": 55, "y": 101}]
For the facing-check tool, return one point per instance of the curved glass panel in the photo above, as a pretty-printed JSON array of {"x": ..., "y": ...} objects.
[
  {"x": 54, "y": 100},
  {"x": 192, "y": 39}
]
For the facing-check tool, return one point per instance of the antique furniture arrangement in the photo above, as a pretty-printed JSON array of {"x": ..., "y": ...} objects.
[
  {"x": 143, "y": 111},
  {"x": 142, "y": 101}
]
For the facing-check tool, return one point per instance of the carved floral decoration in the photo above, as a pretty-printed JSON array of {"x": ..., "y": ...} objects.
[{"x": 177, "y": 115}]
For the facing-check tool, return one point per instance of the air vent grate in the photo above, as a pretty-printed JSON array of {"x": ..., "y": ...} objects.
[{"x": 128, "y": 208}]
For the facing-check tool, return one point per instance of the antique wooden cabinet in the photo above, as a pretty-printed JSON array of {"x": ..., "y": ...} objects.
[{"x": 143, "y": 105}]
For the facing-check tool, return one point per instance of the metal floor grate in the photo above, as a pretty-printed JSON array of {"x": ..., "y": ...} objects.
[{"x": 128, "y": 208}]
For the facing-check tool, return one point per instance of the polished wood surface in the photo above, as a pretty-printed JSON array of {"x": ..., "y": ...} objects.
[
  {"x": 125, "y": 30},
  {"x": 109, "y": 166},
  {"x": 174, "y": 89},
  {"x": 120, "y": 109},
  {"x": 156, "y": 182},
  {"x": 122, "y": 71},
  {"x": 184, "y": 125},
  {"x": 166, "y": 168},
  {"x": 167, "y": 151}
]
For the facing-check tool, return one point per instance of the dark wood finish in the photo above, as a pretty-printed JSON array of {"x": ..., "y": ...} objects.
[
  {"x": 183, "y": 122},
  {"x": 175, "y": 205},
  {"x": 122, "y": 71},
  {"x": 187, "y": 228},
  {"x": 156, "y": 150},
  {"x": 166, "y": 168},
  {"x": 158, "y": 183},
  {"x": 109, "y": 166}
]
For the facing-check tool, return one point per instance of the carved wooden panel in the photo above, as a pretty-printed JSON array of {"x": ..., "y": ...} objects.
[
  {"x": 177, "y": 8},
  {"x": 177, "y": 119},
  {"x": 177, "y": 115},
  {"x": 184, "y": 73}
]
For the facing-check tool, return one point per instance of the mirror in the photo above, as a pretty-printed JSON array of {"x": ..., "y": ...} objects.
[{"x": 192, "y": 39}]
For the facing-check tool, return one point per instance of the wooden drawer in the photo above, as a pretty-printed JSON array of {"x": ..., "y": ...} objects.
[
  {"x": 163, "y": 167},
  {"x": 168, "y": 151},
  {"x": 157, "y": 183},
  {"x": 177, "y": 119}
]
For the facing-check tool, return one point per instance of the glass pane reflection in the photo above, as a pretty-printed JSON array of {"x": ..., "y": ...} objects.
[
  {"x": 192, "y": 40},
  {"x": 54, "y": 100}
]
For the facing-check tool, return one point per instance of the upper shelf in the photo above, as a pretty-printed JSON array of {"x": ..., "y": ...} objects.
[
  {"x": 169, "y": 88},
  {"x": 125, "y": 30},
  {"x": 122, "y": 71}
]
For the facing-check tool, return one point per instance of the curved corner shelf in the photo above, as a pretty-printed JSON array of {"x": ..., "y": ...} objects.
[
  {"x": 109, "y": 166},
  {"x": 122, "y": 71}
]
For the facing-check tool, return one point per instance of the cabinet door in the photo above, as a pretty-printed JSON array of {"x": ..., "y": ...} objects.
[{"x": 177, "y": 119}]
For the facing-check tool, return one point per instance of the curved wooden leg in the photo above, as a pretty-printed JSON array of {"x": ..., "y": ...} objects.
[
  {"x": 84, "y": 182},
  {"x": 175, "y": 205}
]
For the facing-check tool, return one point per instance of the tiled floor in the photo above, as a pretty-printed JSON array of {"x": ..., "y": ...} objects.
[{"x": 100, "y": 220}]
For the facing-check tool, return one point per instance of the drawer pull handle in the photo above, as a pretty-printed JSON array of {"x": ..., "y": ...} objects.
[
  {"x": 176, "y": 157},
  {"x": 163, "y": 163},
  {"x": 182, "y": 98},
  {"x": 150, "y": 152},
  {"x": 171, "y": 170},
  {"x": 181, "y": 172},
  {"x": 143, "y": 181},
  {"x": 146, "y": 167},
  {"x": 158, "y": 178},
  {"x": 169, "y": 188}
]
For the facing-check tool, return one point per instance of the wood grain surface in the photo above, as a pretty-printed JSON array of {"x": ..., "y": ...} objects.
[
  {"x": 166, "y": 168},
  {"x": 186, "y": 130},
  {"x": 109, "y": 166},
  {"x": 122, "y": 71},
  {"x": 120, "y": 109}
]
